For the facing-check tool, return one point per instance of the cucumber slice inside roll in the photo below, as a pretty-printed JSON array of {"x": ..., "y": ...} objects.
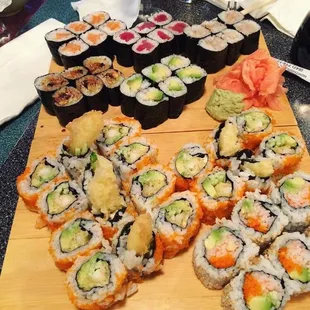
[
  {"x": 43, "y": 173},
  {"x": 255, "y": 121}
]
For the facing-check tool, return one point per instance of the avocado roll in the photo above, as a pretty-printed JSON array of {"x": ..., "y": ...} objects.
[
  {"x": 177, "y": 28},
  {"x": 97, "y": 64},
  {"x": 214, "y": 26},
  {"x": 144, "y": 28},
  {"x": 46, "y": 85},
  {"x": 194, "y": 77},
  {"x": 96, "y": 40},
  {"x": 74, "y": 73},
  {"x": 152, "y": 107},
  {"x": 78, "y": 27},
  {"x": 230, "y": 17},
  {"x": 220, "y": 254},
  {"x": 157, "y": 73},
  {"x": 96, "y": 18},
  {"x": 177, "y": 222},
  {"x": 55, "y": 39},
  {"x": 160, "y": 18},
  {"x": 75, "y": 238},
  {"x": 165, "y": 39},
  {"x": 218, "y": 191},
  {"x": 129, "y": 89},
  {"x": 175, "y": 62},
  {"x": 176, "y": 90}
]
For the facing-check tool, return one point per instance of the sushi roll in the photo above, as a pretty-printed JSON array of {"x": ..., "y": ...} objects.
[
  {"x": 157, "y": 73},
  {"x": 220, "y": 254},
  {"x": 230, "y": 17},
  {"x": 258, "y": 287},
  {"x": 218, "y": 191},
  {"x": 74, "y": 73},
  {"x": 177, "y": 28},
  {"x": 160, "y": 18},
  {"x": 175, "y": 62},
  {"x": 152, "y": 107},
  {"x": 212, "y": 53},
  {"x": 176, "y": 90},
  {"x": 96, "y": 40},
  {"x": 96, "y": 19},
  {"x": 46, "y": 85},
  {"x": 188, "y": 164},
  {"x": 123, "y": 42},
  {"x": 75, "y": 238},
  {"x": 235, "y": 41},
  {"x": 37, "y": 177},
  {"x": 290, "y": 253},
  {"x": 165, "y": 39},
  {"x": 129, "y": 89},
  {"x": 60, "y": 202},
  {"x": 150, "y": 186},
  {"x": 251, "y": 32},
  {"x": 144, "y": 28},
  {"x": 284, "y": 150},
  {"x": 145, "y": 53},
  {"x": 69, "y": 103},
  {"x": 55, "y": 39},
  {"x": 259, "y": 218},
  {"x": 97, "y": 64},
  {"x": 214, "y": 26},
  {"x": 178, "y": 222},
  {"x": 194, "y": 77},
  {"x": 192, "y": 36},
  {"x": 78, "y": 27},
  {"x": 114, "y": 132},
  {"x": 73, "y": 53},
  {"x": 112, "y": 80}
]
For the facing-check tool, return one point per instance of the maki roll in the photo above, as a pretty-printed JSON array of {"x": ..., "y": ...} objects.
[
  {"x": 175, "y": 62},
  {"x": 96, "y": 40},
  {"x": 214, "y": 26},
  {"x": 156, "y": 73},
  {"x": 178, "y": 222},
  {"x": 194, "y": 77},
  {"x": 123, "y": 42},
  {"x": 74, "y": 73},
  {"x": 78, "y": 27},
  {"x": 218, "y": 191},
  {"x": 176, "y": 90},
  {"x": 46, "y": 85},
  {"x": 230, "y": 17},
  {"x": 96, "y": 18},
  {"x": 150, "y": 186},
  {"x": 97, "y": 64},
  {"x": 145, "y": 53},
  {"x": 212, "y": 54},
  {"x": 94, "y": 92},
  {"x": 160, "y": 18},
  {"x": 37, "y": 177},
  {"x": 177, "y": 28},
  {"x": 220, "y": 254},
  {"x": 129, "y": 89},
  {"x": 112, "y": 79},
  {"x": 144, "y": 28},
  {"x": 152, "y": 107},
  {"x": 235, "y": 41},
  {"x": 165, "y": 39},
  {"x": 73, "y": 53},
  {"x": 192, "y": 36},
  {"x": 55, "y": 39},
  {"x": 188, "y": 164},
  {"x": 259, "y": 218},
  {"x": 69, "y": 103},
  {"x": 251, "y": 31},
  {"x": 75, "y": 238}
]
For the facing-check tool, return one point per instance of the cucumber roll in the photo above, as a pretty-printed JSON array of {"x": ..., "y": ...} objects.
[
  {"x": 165, "y": 39},
  {"x": 144, "y": 28},
  {"x": 75, "y": 238},
  {"x": 160, "y": 18},
  {"x": 74, "y": 73},
  {"x": 177, "y": 27},
  {"x": 259, "y": 218},
  {"x": 178, "y": 222},
  {"x": 175, "y": 62},
  {"x": 96, "y": 41},
  {"x": 220, "y": 254},
  {"x": 156, "y": 73},
  {"x": 96, "y": 18},
  {"x": 97, "y": 64},
  {"x": 78, "y": 27},
  {"x": 230, "y": 17},
  {"x": 214, "y": 26}
]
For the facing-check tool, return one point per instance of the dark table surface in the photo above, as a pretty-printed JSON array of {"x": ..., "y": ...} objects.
[{"x": 22, "y": 128}]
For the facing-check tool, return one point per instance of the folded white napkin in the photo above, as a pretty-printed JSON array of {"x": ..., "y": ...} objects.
[
  {"x": 4, "y": 4},
  {"x": 125, "y": 10},
  {"x": 21, "y": 61}
]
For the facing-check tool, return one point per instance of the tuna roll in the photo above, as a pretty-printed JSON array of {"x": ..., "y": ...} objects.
[
  {"x": 78, "y": 27},
  {"x": 144, "y": 28},
  {"x": 165, "y": 38},
  {"x": 177, "y": 28},
  {"x": 160, "y": 18},
  {"x": 97, "y": 64},
  {"x": 230, "y": 17},
  {"x": 214, "y": 26},
  {"x": 74, "y": 73},
  {"x": 96, "y": 40},
  {"x": 96, "y": 18}
]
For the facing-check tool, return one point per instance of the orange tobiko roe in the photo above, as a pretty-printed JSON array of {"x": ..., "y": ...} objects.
[
  {"x": 257, "y": 225},
  {"x": 224, "y": 261},
  {"x": 251, "y": 287},
  {"x": 286, "y": 262}
]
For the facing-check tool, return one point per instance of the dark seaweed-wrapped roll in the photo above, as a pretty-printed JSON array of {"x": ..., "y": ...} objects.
[
  {"x": 55, "y": 39},
  {"x": 123, "y": 42},
  {"x": 145, "y": 53},
  {"x": 235, "y": 40},
  {"x": 112, "y": 79},
  {"x": 177, "y": 28},
  {"x": 96, "y": 18},
  {"x": 46, "y": 85},
  {"x": 97, "y": 64},
  {"x": 144, "y": 28},
  {"x": 69, "y": 103},
  {"x": 194, "y": 77},
  {"x": 193, "y": 34},
  {"x": 129, "y": 88},
  {"x": 156, "y": 73},
  {"x": 73, "y": 53},
  {"x": 176, "y": 90},
  {"x": 96, "y": 40},
  {"x": 212, "y": 53},
  {"x": 230, "y": 17},
  {"x": 214, "y": 26},
  {"x": 152, "y": 107},
  {"x": 74, "y": 73},
  {"x": 78, "y": 27},
  {"x": 165, "y": 39},
  {"x": 251, "y": 32},
  {"x": 175, "y": 62},
  {"x": 94, "y": 92},
  {"x": 160, "y": 18}
]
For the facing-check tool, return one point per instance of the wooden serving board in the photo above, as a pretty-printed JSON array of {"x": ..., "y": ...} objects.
[{"x": 29, "y": 277}]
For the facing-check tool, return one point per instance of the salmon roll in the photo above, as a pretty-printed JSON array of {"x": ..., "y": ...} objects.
[
  {"x": 218, "y": 191},
  {"x": 259, "y": 218},
  {"x": 178, "y": 222},
  {"x": 75, "y": 238},
  {"x": 220, "y": 254},
  {"x": 37, "y": 177},
  {"x": 78, "y": 27},
  {"x": 96, "y": 40},
  {"x": 188, "y": 164},
  {"x": 96, "y": 18}
]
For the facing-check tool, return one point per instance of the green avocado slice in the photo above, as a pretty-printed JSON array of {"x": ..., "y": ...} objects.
[
  {"x": 255, "y": 121},
  {"x": 215, "y": 185},
  {"x": 175, "y": 61},
  {"x": 293, "y": 185},
  {"x": 43, "y": 173},
  {"x": 133, "y": 152},
  {"x": 189, "y": 72},
  {"x": 152, "y": 182},
  {"x": 114, "y": 133},
  {"x": 179, "y": 212},
  {"x": 135, "y": 83},
  {"x": 260, "y": 303},
  {"x": 303, "y": 277},
  {"x": 214, "y": 238},
  {"x": 247, "y": 205}
]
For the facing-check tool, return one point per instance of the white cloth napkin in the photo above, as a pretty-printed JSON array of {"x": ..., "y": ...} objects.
[
  {"x": 125, "y": 10},
  {"x": 21, "y": 61},
  {"x": 4, "y": 4}
]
